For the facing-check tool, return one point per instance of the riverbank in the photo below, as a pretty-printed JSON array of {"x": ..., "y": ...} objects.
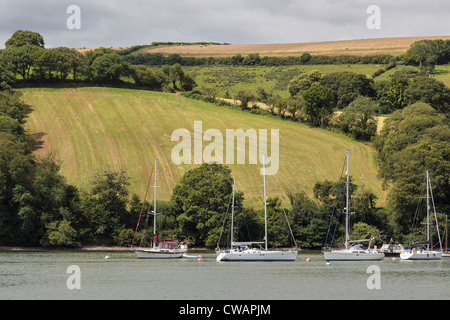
[{"x": 86, "y": 248}]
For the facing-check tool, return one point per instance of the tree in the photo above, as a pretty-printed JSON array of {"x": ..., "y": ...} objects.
[
  {"x": 23, "y": 38},
  {"x": 187, "y": 82},
  {"x": 109, "y": 67},
  {"x": 201, "y": 199},
  {"x": 251, "y": 59},
  {"x": 391, "y": 93},
  {"x": 317, "y": 105},
  {"x": 413, "y": 140},
  {"x": 430, "y": 91},
  {"x": 304, "y": 81},
  {"x": 23, "y": 58},
  {"x": 428, "y": 52},
  {"x": 174, "y": 73},
  {"x": 11, "y": 106},
  {"x": 244, "y": 97},
  {"x": 358, "y": 118},
  {"x": 106, "y": 204},
  {"x": 15, "y": 167},
  {"x": 308, "y": 222},
  {"x": 347, "y": 86},
  {"x": 143, "y": 76}
]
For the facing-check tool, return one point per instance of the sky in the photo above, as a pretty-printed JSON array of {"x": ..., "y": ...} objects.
[{"x": 114, "y": 23}]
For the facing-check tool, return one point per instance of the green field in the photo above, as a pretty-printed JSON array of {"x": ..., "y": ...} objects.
[
  {"x": 226, "y": 81},
  {"x": 90, "y": 128},
  {"x": 272, "y": 79}
]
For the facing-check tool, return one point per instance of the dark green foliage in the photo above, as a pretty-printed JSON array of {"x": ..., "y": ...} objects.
[
  {"x": 202, "y": 197},
  {"x": 347, "y": 86},
  {"x": 358, "y": 118},
  {"x": 412, "y": 141},
  {"x": 317, "y": 105},
  {"x": 23, "y": 38}
]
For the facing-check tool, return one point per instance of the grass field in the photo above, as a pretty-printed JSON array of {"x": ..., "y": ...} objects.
[
  {"x": 393, "y": 46},
  {"x": 90, "y": 128},
  {"x": 272, "y": 79}
]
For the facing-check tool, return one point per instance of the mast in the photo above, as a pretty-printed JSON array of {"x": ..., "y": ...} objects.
[
  {"x": 154, "y": 204},
  {"x": 428, "y": 212},
  {"x": 347, "y": 207},
  {"x": 232, "y": 214},
  {"x": 265, "y": 200},
  {"x": 446, "y": 235}
]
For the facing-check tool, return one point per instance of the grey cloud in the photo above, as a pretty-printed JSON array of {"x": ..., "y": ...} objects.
[{"x": 123, "y": 23}]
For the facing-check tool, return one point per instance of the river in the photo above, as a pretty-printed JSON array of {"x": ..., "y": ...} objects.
[{"x": 120, "y": 275}]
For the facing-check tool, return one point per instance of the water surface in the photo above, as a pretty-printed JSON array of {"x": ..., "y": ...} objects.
[{"x": 43, "y": 275}]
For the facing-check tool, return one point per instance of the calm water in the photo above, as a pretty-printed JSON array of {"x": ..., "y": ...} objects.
[{"x": 43, "y": 275}]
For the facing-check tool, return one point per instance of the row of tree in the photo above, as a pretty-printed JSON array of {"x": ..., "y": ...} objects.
[
  {"x": 25, "y": 56},
  {"x": 425, "y": 53},
  {"x": 253, "y": 59}
]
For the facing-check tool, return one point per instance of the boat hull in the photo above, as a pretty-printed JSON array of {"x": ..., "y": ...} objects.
[
  {"x": 159, "y": 254},
  {"x": 420, "y": 255},
  {"x": 350, "y": 256},
  {"x": 256, "y": 255}
]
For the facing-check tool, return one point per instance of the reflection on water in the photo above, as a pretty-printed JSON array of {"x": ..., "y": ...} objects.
[{"x": 43, "y": 275}]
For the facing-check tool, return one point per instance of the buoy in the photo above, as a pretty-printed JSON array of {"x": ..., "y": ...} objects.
[
  {"x": 328, "y": 263},
  {"x": 199, "y": 259},
  {"x": 393, "y": 259},
  {"x": 308, "y": 259},
  {"x": 107, "y": 257}
]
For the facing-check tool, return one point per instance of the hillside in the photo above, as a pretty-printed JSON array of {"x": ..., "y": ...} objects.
[
  {"x": 393, "y": 46},
  {"x": 89, "y": 128}
]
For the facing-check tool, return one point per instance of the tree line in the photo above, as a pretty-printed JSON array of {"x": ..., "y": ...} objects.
[{"x": 26, "y": 58}]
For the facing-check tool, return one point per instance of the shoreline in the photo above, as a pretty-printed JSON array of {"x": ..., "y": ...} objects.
[{"x": 83, "y": 248}]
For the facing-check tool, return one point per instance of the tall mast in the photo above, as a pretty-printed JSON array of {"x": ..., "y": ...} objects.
[
  {"x": 232, "y": 213},
  {"x": 446, "y": 235},
  {"x": 428, "y": 212},
  {"x": 265, "y": 200},
  {"x": 154, "y": 203},
  {"x": 347, "y": 208}
]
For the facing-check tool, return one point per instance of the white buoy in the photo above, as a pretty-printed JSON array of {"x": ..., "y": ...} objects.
[
  {"x": 328, "y": 263},
  {"x": 107, "y": 257}
]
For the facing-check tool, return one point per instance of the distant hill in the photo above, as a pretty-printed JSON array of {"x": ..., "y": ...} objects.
[
  {"x": 393, "y": 46},
  {"x": 89, "y": 128}
]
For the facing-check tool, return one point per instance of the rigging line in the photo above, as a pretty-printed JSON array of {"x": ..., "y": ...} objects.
[
  {"x": 142, "y": 208},
  {"x": 224, "y": 218},
  {"x": 435, "y": 216},
  {"x": 416, "y": 214},
  {"x": 282, "y": 207},
  {"x": 337, "y": 218},
  {"x": 334, "y": 207}
]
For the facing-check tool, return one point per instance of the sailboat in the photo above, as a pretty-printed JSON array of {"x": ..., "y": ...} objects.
[
  {"x": 243, "y": 251},
  {"x": 356, "y": 252},
  {"x": 161, "y": 248},
  {"x": 421, "y": 253}
]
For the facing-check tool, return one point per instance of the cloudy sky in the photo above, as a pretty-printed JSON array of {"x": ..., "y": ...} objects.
[{"x": 124, "y": 23}]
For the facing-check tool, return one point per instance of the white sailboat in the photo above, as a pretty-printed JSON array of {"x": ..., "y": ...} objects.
[
  {"x": 356, "y": 252},
  {"x": 422, "y": 253},
  {"x": 243, "y": 251},
  {"x": 161, "y": 248}
]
